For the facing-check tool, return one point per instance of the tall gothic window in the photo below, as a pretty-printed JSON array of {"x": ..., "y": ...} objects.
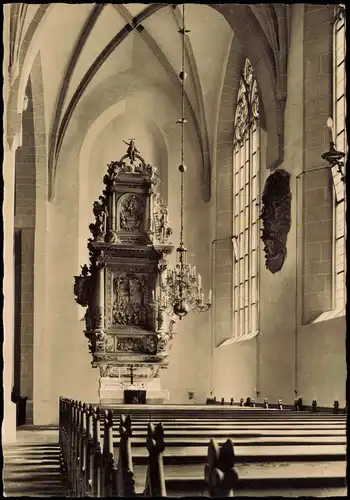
[
  {"x": 246, "y": 162},
  {"x": 339, "y": 113}
]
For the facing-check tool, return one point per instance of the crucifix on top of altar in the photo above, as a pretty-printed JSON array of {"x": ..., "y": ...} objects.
[{"x": 129, "y": 323}]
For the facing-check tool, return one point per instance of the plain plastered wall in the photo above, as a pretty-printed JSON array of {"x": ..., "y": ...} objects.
[{"x": 322, "y": 363}]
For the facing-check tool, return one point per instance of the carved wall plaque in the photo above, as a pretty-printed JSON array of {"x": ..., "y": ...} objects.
[{"x": 276, "y": 218}]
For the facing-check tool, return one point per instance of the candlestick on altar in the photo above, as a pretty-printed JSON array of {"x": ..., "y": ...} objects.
[
  {"x": 209, "y": 297},
  {"x": 199, "y": 281}
]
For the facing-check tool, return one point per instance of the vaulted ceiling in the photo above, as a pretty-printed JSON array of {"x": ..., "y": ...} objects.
[{"x": 83, "y": 46}]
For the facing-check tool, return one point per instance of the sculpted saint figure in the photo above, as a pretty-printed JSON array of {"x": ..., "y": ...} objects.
[{"x": 132, "y": 150}]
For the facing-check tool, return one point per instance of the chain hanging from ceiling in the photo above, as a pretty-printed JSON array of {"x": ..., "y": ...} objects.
[{"x": 182, "y": 287}]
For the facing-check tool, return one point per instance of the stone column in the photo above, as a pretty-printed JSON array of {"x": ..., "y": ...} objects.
[{"x": 9, "y": 423}]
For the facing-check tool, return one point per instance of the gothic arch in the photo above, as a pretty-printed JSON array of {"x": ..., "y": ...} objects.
[
  {"x": 21, "y": 67},
  {"x": 263, "y": 34},
  {"x": 256, "y": 47}
]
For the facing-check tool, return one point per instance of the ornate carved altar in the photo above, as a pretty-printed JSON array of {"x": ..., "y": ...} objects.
[{"x": 129, "y": 332}]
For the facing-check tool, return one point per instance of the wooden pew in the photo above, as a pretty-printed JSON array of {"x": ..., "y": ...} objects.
[
  {"x": 87, "y": 446},
  {"x": 77, "y": 451},
  {"x": 92, "y": 472},
  {"x": 82, "y": 442},
  {"x": 95, "y": 476},
  {"x": 109, "y": 469},
  {"x": 219, "y": 472},
  {"x": 155, "y": 481},
  {"x": 87, "y": 470},
  {"x": 73, "y": 456},
  {"x": 125, "y": 474},
  {"x": 63, "y": 437}
]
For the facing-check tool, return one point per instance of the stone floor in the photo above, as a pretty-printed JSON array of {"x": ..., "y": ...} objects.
[{"x": 32, "y": 466}]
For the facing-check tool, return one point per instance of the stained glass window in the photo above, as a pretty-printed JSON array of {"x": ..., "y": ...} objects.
[{"x": 246, "y": 166}]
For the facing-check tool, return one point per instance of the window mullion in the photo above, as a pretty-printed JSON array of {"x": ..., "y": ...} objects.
[
  {"x": 339, "y": 199},
  {"x": 250, "y": 227},
  {"x": 244, "y": 213}
]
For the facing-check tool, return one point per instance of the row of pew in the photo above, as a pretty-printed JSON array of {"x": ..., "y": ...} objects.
[
  {"x": 89, "y": 467},
  {"x": 278, "y": 452},
  {"x": 273, "y": 449},
  {"x": 298, "y": 404}
]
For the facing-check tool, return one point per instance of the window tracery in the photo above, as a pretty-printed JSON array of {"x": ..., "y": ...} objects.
[{"x": 246, "y": 187}]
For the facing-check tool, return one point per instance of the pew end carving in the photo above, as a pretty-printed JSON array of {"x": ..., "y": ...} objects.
[
  {"x": 219, "y": 472},
  {"x": 155, "y": 481}
]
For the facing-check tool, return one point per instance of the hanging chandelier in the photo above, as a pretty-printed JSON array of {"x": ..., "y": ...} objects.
[{"x": 181, "y": 287}]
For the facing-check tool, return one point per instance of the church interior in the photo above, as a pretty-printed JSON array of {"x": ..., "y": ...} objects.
[{"x": 174, "y": 248}]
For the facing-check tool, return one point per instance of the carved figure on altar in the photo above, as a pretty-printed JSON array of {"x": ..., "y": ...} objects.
[
  {"x": 98, "y": 228},
  {"x": 165, "y": 230},
  {"x": 82, "y": 287},
  {"x": 132, "y": 150},
  {"x": 163, "y": 340},
  {"x": 131, "y": 213},
  {"x": 100, "y": 212},
  {"x": 162, "y": 229}
]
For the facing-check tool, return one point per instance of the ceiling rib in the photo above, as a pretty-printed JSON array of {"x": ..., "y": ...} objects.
[
  {"x": 123, "y": 11},
  {"x": 152, "y": 44},
  {"x": 84, "y": 34},
  {"x": 101, "y": 58}
]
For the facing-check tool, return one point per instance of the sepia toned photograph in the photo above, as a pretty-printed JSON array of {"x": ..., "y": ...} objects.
[{"x": 174, "y": 250}]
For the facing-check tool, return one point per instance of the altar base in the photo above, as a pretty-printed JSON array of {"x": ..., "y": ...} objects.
[{"x": 111, "y": 391}]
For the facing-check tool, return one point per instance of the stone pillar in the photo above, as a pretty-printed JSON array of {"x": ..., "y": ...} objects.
[{"x": 9, "y": 422}]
